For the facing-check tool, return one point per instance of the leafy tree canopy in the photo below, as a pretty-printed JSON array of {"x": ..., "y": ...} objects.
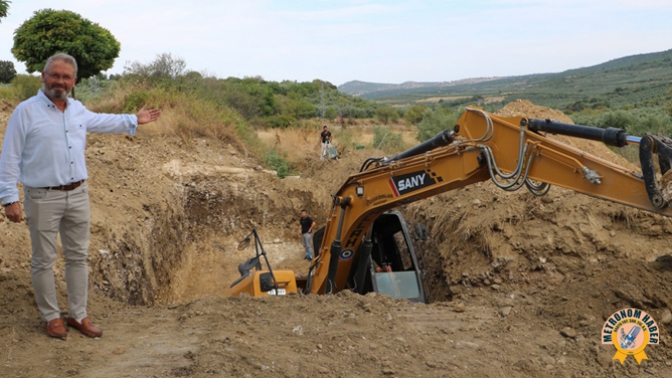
[
  {"x": 4, "y": 8},
  {"x": 50, "y": 32},
  {"x": 387, "y": 113}
]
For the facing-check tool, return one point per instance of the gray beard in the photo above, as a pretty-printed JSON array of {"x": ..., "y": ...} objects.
[{"x": 59, "y": 94}]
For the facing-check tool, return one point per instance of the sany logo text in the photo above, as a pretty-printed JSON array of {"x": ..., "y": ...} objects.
[{"x": 410, "y": 182}]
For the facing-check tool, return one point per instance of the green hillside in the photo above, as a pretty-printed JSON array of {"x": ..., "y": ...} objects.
[{"x": 631, "y": 82}]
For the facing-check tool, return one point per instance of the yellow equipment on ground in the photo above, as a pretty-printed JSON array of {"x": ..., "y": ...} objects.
[{"x": 261, "y": 282}]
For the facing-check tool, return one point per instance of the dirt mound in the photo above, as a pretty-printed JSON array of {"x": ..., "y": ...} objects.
[
  {"x": 525, "y": 108},
  {"x": 481, "y": 229}
]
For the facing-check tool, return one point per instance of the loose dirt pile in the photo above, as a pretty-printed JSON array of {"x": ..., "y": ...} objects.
[{"x": 521, "y": 284}]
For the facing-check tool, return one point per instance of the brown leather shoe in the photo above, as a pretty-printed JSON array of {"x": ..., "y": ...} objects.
[
  {"x": 86, "y": 327},
  {"x": 56, "y": 328}
]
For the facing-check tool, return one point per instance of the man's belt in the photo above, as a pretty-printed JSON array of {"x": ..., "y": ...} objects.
[{"x": 66, "y": 188}]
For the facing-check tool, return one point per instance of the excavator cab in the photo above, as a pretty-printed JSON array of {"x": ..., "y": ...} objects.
[{"x": 394, "y": 266}]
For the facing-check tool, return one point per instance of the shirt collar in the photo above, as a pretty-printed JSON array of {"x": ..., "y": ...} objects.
[{"x": 47, "y": 101}]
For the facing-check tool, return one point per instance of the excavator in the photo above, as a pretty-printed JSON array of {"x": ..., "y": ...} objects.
[{"x": 366, "y": 246}]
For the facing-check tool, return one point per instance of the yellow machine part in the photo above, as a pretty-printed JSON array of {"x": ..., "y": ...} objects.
[{"x": 251, "y": 284}]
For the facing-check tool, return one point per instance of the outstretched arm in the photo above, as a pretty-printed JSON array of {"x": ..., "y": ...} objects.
[{"x": 147, "y": 115}]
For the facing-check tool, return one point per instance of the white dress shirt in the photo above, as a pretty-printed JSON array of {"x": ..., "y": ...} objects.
[{"x": 45, "y": 147}]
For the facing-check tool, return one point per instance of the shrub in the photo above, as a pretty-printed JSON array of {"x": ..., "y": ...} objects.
[
  {"x": 654, "y": 123},
  {"x": 415, "y": 113},
  {"x": 276, "y": 162},
  {"x": 634, "y": 122},
  {"x": 280, "y": 121},
  {"x": 620, "y": 119},
  {"x": 135, "y": 101},
  {"x": 434, "y": 122}
]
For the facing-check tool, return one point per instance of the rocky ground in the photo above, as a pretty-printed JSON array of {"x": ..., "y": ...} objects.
[{"x": 520, "y": 285}]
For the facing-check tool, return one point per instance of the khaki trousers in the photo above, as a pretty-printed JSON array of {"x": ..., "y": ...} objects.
[{"x": 48, "y": 213}]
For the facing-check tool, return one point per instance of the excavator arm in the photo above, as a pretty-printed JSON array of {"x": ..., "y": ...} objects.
[{"x": 512, "y": 152}]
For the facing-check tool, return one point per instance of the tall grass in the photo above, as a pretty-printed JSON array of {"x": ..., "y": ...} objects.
[
  {"x": 293, "y": 144},
  {"x": 184, "y": 114},
  {"x": 21, "y": 88},
  {"x": 6, "y": 92}
]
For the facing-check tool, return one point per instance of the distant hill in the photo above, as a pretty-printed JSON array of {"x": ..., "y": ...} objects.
[
  {"x": 637, "y": 80},
  {"x": 364, "y": 89}
]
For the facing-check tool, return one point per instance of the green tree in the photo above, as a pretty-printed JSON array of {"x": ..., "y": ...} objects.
[
  {"x": 414, "y": 114},
  {"x": 4, "y": 8},
  {"x": 49, "y": 32},
  {"x": 434, "y": 122},
  {"x": 330, "y": 113},
  {"x": 386, "y": 113},
  {"x": 165, "y": 66},
  {"x": 7, "y": 71}
]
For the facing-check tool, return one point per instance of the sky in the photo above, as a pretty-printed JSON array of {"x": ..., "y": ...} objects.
[{"x": 380, "y": 41}]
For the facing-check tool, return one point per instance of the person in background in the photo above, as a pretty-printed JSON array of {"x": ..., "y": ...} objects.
[
  {"x": 325, "y": 138},
  {"x": 44, "y": 150},
  {"x": 306, "y": 230}
]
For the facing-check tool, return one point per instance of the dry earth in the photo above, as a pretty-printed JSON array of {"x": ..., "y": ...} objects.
[{"x": 520, "y": 285}]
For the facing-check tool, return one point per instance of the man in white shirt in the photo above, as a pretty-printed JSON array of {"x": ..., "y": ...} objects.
[{"x": 44, "y": 150}]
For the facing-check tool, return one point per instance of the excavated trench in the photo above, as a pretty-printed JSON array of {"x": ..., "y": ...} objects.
[{"x": 188, "y": 250}]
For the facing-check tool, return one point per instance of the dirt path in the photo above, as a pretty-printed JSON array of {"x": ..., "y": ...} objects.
[{"x": 340, "y": 336}]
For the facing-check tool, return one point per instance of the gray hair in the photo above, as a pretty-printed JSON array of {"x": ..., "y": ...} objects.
[{"x": 64, "y": 57}]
